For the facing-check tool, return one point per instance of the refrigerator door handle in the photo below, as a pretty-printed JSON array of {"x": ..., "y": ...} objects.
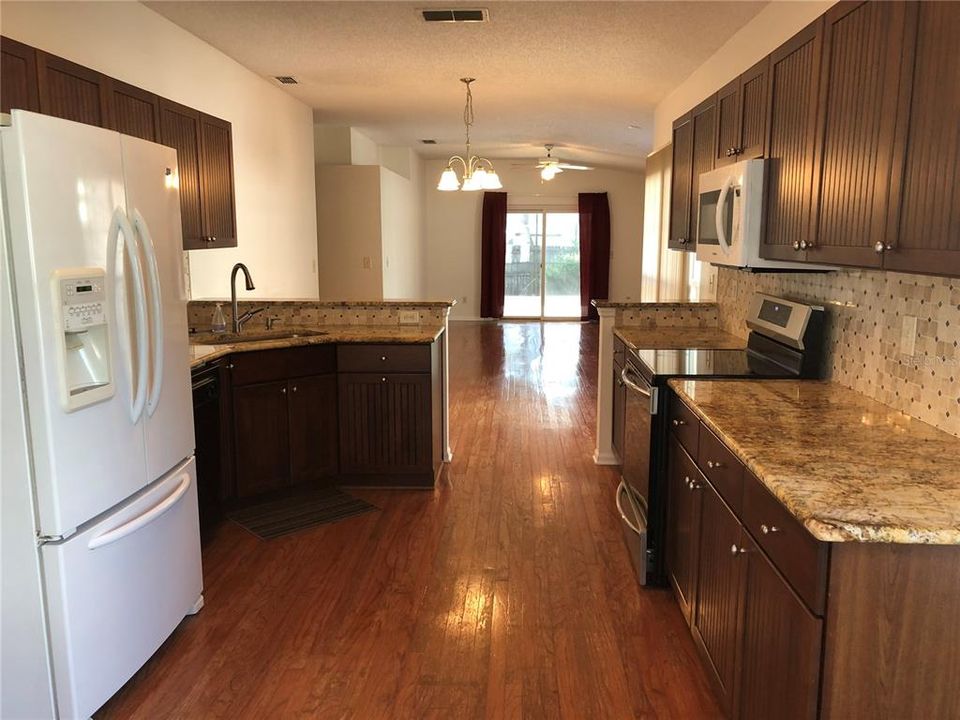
[
  {"x": 131, "y": 526},
  {"x": 121, "y": 226},
  {"x": 156, "y": 310}
]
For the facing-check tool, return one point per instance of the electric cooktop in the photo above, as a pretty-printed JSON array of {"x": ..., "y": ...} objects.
[{"x": 693, "y": 363}]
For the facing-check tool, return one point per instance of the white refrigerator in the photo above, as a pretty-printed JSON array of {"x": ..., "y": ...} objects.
[{"x": 101, "y": 548}]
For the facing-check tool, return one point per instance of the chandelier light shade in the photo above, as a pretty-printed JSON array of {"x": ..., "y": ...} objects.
[{"x": 478, "y": 172}]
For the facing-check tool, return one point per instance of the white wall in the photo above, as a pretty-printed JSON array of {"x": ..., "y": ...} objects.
[
  {"x": 348, "y": 232},
  {"x": 401, "y": 224},
  {"x": 453, "y": 226},
  {"x": 272, "y": 132},
  {"x": 768, "y": 29}
]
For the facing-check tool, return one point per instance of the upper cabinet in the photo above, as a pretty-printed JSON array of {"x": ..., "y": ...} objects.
[
  {"x": 18, "y": 77},
  {"x": 31, "y": 79},
  {"x": 924, "y": 228},
  {"x": 857, "y": 115},
  {"x": 791, "y": 126},
  {"x": 71, "y": 91}
]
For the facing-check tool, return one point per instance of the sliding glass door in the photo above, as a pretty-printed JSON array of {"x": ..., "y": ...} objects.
[{"x": 542, "y": 275}]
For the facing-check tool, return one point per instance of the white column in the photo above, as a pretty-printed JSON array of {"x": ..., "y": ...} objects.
[
  {"x": 604, "y": 455},
  {"x": 447, "y": 452}
]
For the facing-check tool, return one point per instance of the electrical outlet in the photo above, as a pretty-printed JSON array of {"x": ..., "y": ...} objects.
[
  {"x": 908, "y": 335},
  {"x": 409, "y": 317},
  {"x": 365, "y": 262}
]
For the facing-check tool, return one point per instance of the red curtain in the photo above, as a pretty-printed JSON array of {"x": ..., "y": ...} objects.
[
  {"x": 594, "y": 252},
  {"x": 493, "y": 244}
]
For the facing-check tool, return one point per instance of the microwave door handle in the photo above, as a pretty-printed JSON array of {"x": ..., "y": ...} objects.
[
  {"x": 721, "y": 202},
  {"x": 156, "y": 310},
  {"x": 138, "y": 387}
]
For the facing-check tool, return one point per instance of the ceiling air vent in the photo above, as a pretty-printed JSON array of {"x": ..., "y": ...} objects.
[
  {"x": 429, "y": 142},
  {"x": 456, "y": 15},
  {"x": 285, "y": 79}
]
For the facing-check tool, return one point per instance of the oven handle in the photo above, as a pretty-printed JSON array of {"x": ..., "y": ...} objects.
[
  {"x": 620, "y": 492},
  {"x": 631, "y": 384}
]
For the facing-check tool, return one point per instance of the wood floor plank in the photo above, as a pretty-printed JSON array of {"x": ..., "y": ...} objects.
[{"x": 504, "y": 593}]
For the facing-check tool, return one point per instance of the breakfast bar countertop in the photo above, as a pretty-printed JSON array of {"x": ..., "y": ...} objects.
[
  {"x": 672, "y": 338},
  {"x": 848, "y": 467},
  {"x": 204, "y": 347}
]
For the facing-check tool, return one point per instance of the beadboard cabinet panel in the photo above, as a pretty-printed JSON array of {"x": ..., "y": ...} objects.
[{"x": 18, "y": 77}]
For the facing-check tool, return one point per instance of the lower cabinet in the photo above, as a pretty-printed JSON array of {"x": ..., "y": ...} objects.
[
  {"x": 312, "y": 413},
  {"x": 261, "y": 437},
  {"x": 684, "y": 493}
]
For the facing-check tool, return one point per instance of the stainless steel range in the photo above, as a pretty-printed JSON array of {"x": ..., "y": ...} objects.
[{"x": 785, "y": 342}]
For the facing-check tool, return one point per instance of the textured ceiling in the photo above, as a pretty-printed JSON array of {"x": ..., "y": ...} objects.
[{"x": 576, "y": 74}]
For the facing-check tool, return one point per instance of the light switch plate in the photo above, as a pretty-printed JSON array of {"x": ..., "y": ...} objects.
[
  {"x": 409, "y": 317},
  {"x": 908, "y": 335}
]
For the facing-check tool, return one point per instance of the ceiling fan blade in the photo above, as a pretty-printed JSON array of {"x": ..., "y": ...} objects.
[{"x": 568, "y": 166}]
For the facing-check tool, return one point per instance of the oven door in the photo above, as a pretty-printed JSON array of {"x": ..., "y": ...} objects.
[{"x": 639, "y": 409}]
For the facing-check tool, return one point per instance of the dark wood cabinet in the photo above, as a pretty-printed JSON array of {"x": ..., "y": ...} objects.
[
  {"x": 133, "y": 111},
  {"x": 704, "y": 119},
  {"x": 742, "y": 116},
  {"x": 312, "y": 421},
  {"x": 923, "y": 234},
  {"x": 71, "y": 91},
  {"x": 719, "y": 581},
  {"x": 680, "y": 178},
  {"x": 216, "y": 187},
  {"x": 781, "y": 641},
  {"x": 859, "y": 85},
  {"x": 791, "y": 130},
  {"x": 261, "y": 437},
  {"x": 180, "y": 129},
  {"x": 685, "y": 488},
  {"x": 18, "y": 77}
]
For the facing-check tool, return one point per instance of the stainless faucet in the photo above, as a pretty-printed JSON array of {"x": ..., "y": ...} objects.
[{"x": 238, "y": 321}]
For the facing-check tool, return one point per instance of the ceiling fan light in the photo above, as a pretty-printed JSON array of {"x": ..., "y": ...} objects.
[
  {"x": 492, "y": 181},
  {"x": 448, "y": 180},
  {"x": 549, "y": 172}
]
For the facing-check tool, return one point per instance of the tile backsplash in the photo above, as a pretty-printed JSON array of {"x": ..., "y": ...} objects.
[
  {"x": 296, "y": 313},
  {"x": 864, "y": 345},
  {"x": 699, "y": 315}
]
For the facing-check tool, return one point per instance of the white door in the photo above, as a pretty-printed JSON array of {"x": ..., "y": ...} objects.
[
  {"x": 64, "y": 184},
  {"x": 153, "y": 207},
  {"x": 117, "y": 589}
]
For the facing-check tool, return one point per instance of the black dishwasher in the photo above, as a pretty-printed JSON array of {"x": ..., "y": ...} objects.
[{"x": 209, "y": 443}]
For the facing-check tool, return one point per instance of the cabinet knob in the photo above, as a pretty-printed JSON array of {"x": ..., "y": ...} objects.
[
  {"x": 694, "y": 485},
  {"x": 230, "y": 366},
  {"x": 796, "y": 244},
  {"x": 880, "y": 247},
  {"x": 383, "y": 379},
  {"x": 713, "y": 464},
  {"x": 767, "y": 529},
  {"x": 283, "y": 390},
  {"x": 736, "y": 550},
  {"x": 383, "y": 358},
  {"x": 294, "y": 388},
  {"x": 803, "y": 244},
  {"x": 678, "y": 423}
]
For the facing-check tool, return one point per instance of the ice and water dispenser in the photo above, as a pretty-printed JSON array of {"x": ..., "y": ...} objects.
[{"x": 84, "y": 337}]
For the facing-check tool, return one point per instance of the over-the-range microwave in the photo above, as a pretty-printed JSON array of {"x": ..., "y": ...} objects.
[{"x": 730, "y": 210}]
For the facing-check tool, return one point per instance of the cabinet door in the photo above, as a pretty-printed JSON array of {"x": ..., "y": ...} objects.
[
  {"x": 180, "y": 129},
  {"x": 791, "y": 121},
  {"x": 717, "y": 610},
  {"x": 313, "y": 428},
  {"x": 859, "y": 83},
  {"x": 18, "y": 77},
  {"x": 385, "y": 423},
  {"x": 754, "y": 92},
  {"x": 685, "y": 488},
  {"x": 924, "y": 230},
  {"x": 619, "y": 408},
  {"x": 71, "y": 91},
  {"x": 261, "y": 437},
  {"x": 704, "y": 120},
  {"x": 680, "y": 177},
  {"x": 133, "y": 111},
  {"x": 728, "y": 123},
  {"x": 780, "y": 656},
  {"x": 216, "y": 188}
]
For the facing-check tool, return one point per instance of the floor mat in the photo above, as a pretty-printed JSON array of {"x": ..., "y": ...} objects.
[{"x": 282, "y": 516}]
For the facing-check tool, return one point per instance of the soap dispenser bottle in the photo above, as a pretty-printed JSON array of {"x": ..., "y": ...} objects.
[{"x": 219, "y": 323}]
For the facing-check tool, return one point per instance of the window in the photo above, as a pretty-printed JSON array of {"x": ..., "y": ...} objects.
[{"x": 542, "y": 269}]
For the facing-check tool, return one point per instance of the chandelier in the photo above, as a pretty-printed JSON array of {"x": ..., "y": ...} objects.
[{"x": 478, "y": 172}]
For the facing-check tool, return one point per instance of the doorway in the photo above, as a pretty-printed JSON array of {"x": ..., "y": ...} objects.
[{"x": 542, "y": 268}]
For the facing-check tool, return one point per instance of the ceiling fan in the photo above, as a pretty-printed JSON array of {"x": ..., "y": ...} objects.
[{"x": 550, "y": 166}]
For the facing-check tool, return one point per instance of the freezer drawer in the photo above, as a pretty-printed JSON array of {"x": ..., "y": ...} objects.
[{"x": 119, "y": 587}]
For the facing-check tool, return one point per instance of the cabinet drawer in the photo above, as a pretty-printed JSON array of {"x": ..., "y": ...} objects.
[
  {"x": 383, "y": 358},
  {"x": 310, "y": 360},
  {"x": 722, "y": 469},
  {"x": 257, "y": 366},
  {"x": 797, "y": 554},
  {"x": 684, "y": 424}
]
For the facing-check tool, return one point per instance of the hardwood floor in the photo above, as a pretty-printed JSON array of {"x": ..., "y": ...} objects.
[{"x": 505, "y": 593}]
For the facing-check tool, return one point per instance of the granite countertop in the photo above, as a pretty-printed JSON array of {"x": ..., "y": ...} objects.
[
  {"x": 637, "y": 304},
  {"x": 669, "y": 338},
  {"x": 201, "y": 352},
  {"x": 849, "y": 468}
]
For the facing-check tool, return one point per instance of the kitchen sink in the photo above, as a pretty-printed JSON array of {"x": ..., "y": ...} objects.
[{"x": 208, "y": 338}]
